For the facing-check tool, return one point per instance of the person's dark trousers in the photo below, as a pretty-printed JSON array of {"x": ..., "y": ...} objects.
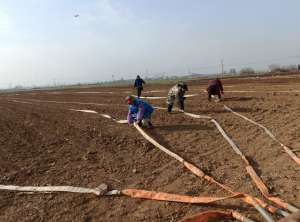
[
  {"x": 139, "y": 91},
  {"x": 170, "y": 108},
  {"x": 181, "y": 103}
]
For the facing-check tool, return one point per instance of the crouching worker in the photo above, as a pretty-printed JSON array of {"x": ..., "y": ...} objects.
[
  {"x": 139, "y": 112},
  {"x": 215, "y": 88},
  {"x": 177, "y": 93}
]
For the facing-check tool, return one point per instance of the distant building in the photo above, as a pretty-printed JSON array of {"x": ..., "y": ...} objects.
[{"x": 232, "y": 71}]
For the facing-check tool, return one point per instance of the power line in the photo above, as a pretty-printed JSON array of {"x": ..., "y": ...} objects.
[
  {"x": 257, "y": 62},
  {"x": 266, "y": 61}
]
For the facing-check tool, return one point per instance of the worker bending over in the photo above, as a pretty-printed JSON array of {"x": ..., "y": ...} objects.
[
  {"x": 215, "y": 88},
  {"x": 177, "y": 93},
  {"x": 139, "y": 112}
]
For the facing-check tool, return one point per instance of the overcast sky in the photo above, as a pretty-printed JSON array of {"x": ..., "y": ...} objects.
[{"x": 42, "y": 42}]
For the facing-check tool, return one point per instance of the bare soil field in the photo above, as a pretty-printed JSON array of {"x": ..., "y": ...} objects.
[{"x": 44, "y": 142}]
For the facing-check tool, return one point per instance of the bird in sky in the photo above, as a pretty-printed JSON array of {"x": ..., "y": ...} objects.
[{"x": 76, "y": 15}]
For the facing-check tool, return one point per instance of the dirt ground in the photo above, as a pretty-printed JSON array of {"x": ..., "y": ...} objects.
[{"x": 43, "y": 142}]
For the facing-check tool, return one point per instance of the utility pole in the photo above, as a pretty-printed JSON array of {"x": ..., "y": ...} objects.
[
  {"x": 222, "y": 67},
  {"x": 54, "y": 82},
  {"x": 146, "y": 72}
]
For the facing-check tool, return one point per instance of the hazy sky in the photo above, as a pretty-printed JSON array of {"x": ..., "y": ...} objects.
[{"x": 41, "y": 42}]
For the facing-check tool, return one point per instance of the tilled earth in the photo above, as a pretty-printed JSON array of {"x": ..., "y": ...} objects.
[{"x": 44, "y": 142}]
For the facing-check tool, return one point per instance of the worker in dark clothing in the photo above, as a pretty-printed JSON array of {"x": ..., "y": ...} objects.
[
  {"x": 215, "y": 87},
  {"x": 138, "y": 84}
]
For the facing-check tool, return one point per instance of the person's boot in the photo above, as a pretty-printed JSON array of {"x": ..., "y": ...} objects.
[
  {"x": 147, "y": 122},
  {"x": 150, "y": 125},
  {"x": 219, "y": 97},
  {"x": 170, "y": 108},
  {"x": 140, "y": 123},
  {"x": 181, "y": 106}
]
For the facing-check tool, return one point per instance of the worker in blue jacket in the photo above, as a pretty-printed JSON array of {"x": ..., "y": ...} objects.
[
  {"x": 138, "y": 84},
  {"x": 139, "y": 111}
]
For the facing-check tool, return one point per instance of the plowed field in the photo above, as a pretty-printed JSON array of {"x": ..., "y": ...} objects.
[{"x": 44, "y": 142}]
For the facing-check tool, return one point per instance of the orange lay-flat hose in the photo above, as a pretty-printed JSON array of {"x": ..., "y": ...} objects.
[
  {"x": 264, "y": 190},
  {"x": 256, "y": 179},
  {"x": 153, "y": 195},
  {"x": 195, "y": 170},
  {"x": 248, "y": 199},
  {"x": 208, "y": 215}
]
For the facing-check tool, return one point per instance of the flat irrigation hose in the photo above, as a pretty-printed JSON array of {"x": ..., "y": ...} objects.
[
  {"x": 195, "y": 170},
  {"x": 258, "y": 182},
  {"x": 162, "y": 97},
  {"x": 210, "y": 215},
  {"x": 162, "y": 196},
  {"x": 44, "y": 189},
  {"x": 268, "y": 132},
  {"x": 256, "y": 179},
  {"x": 134, "y": 193},
  {"x": 59, "y": 102}
]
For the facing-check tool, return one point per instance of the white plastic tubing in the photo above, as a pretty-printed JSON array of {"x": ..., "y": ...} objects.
[
  {"x": 47, "y": 189},
  {"x": 268, "y": 132}
]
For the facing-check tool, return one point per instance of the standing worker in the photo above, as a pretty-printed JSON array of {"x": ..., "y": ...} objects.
[
  {"x": 215, "y": 87},
  {"x": 138, "y": 84},
  {"x": 139, "y": 111},
  {"x": 177, "y": 93}
]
